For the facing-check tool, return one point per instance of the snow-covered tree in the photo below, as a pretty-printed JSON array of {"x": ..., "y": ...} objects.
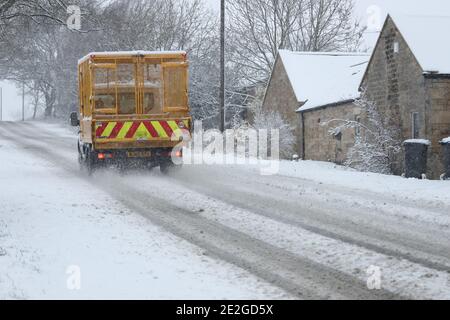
[
  {"x": 39, "y": 51},
  {"x": 170, "y": 25},
  {"x": 272, "y": 120},
  {"x": 376, "y": 142},
  {"x": 49, "y": 11},
  {"x": 37, "y": 48},
  {"x": 257, "y": 29},
  {"x": 43, "y": 53}
]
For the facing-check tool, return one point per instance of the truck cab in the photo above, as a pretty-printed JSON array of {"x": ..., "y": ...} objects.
[{"x": 133, "y": 107}]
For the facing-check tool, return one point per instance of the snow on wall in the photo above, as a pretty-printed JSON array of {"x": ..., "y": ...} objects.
[
  {"x": 446, "y": 140},
  {"x": 425, "y": 36},
  {"x": 322, "y": 78},
  {"x": 418, "y": 141}
]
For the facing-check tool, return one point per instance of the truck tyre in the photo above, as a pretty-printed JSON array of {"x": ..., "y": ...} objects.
[
  {"x": 80, "y": 155},
  {"x": 86, "y": 158},
  {"x": 90, "y": 162}
]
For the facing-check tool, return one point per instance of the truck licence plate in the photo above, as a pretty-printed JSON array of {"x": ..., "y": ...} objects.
[{"x": 139, "y": 154}]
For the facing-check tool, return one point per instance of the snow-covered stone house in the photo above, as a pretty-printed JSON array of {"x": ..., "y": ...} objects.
[
  {"x": 309, "y": 88},
  {"x": 407, "y": 76}
]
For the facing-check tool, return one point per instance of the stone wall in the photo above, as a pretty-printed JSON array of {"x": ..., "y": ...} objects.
[
  {"x": 320, "y": 145},
  {"x": 280, "y": 97},
  {"x": 438, "y": 115},
  {"x": 395, "y": 82}
]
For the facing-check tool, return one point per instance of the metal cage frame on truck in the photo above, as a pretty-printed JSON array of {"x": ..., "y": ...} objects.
[{"x": 132, "y": 102}]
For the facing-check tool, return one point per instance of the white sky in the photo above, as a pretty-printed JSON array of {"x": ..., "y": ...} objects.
[
  {"x": 405, "y": 6},
  {"x": 12, "y": 100}
]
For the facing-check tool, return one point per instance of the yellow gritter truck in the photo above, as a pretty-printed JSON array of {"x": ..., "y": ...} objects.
[{"x": 133, "y": 108}]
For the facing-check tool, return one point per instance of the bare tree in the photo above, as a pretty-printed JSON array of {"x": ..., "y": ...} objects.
[
  {"x": 170, "y": 25},
  {"x": 376, "y": 142},
  {"x": 36, "y": 98},
  {"x": 45, "y": 55},
  {"x": 156, "y": 25},
  {"x": 259, "y": 28},
  {"x": 38, "y": 51},
  {"x": 50, "y": 11}
]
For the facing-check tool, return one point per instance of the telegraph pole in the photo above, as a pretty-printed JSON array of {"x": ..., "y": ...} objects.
[
  {"x": 222, "y": 66},
  {"x": 1, "y": 104},
  {"x": 23, "y": 101}
]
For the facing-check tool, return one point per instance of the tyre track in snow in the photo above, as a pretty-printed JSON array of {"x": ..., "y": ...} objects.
[
  {"x": 378, "y": 232},
  {"x": 299, "y": 276},
  {"x": 383, "y": 234},
  {"x": 271, "y": 204}
]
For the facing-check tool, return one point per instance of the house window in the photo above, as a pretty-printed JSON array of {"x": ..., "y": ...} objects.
[
  {"x": 415, "y": 125},
  {"x": 396, "y": 47}
]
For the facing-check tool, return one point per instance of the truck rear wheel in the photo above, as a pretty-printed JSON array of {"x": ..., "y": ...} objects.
[
  {"x": 80, "y": 155},
  {"x": 87, "y": 159},
  {"x": 90, "y": 162}
]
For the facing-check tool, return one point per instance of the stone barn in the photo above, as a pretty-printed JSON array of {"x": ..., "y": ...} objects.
[
  {"x": 309, "y": 88},
  {"x": 407, "y": 76}
]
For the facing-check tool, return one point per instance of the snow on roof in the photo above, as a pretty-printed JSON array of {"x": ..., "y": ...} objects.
[
  {"x": 127, "y": 53},
  {"x": 425, "y": 36},
  {"x": 321, "y": 78}
]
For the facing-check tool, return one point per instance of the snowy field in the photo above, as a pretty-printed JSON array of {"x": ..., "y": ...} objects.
[{"x": 213, "y": 232}]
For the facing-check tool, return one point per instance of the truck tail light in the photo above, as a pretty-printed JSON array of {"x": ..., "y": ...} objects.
[
  {"x": 103, "y": 156},
  {"x": 179, "y": 154}
]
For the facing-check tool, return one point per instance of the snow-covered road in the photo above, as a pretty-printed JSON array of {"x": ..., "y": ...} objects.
[{"x": 313, "y": 231}]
